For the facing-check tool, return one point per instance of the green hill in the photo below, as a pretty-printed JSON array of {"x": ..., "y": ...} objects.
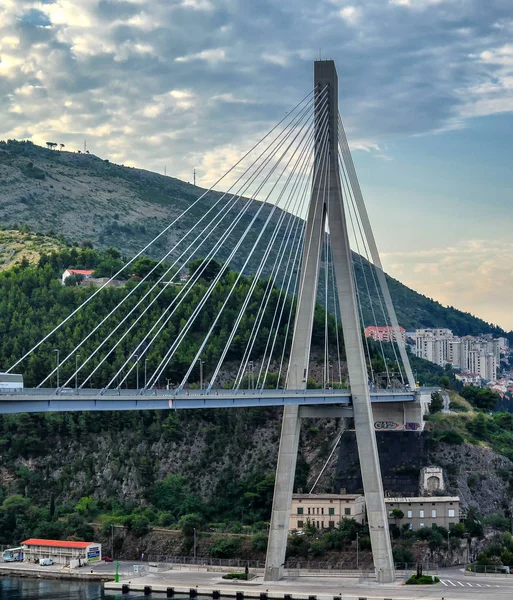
[{"x": 81, "y": 196}]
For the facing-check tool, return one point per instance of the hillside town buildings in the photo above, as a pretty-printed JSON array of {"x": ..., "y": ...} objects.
[
  {"x": 384, "y": 334},
  {"x": 478, "y": 358}
]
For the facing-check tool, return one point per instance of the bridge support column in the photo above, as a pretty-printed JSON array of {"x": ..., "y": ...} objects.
[{"x": 283, "y": 488}]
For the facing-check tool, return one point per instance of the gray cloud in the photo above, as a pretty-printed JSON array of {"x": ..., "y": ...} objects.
[{"x": 186, "y": 83}]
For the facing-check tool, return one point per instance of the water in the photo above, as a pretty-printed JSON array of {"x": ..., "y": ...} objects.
[{"x": 39, "y": 589}]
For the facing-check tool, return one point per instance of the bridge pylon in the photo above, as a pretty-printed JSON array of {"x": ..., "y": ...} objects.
[{"x": 326, "y": 206}]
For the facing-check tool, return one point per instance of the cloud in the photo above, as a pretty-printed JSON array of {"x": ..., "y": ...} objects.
[
  {"x": 471, "y": 275},
  {"x": 206, "y": 78}
]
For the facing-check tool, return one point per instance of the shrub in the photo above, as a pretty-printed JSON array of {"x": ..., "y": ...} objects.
[
  {"x": 422, "y": 580},
  {"x": 452, "y": 437},
  {"x": 318, "y": 548},
  {"x": 240, "y": 576},
  {"x": 259, "y": 542},
  {"x": 225, "y": 548}
]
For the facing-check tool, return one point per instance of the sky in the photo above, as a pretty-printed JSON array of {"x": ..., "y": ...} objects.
[{"x": 426, "y": 95}]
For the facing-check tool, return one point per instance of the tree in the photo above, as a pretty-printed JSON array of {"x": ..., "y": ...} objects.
[
  {"x": 62, "y": 146},
  {"x": 437, "y": 403},
  {"x": 188, "y": 523},
  {"x": 397, "y": 514},
  {"x": 209, "y": 268}
]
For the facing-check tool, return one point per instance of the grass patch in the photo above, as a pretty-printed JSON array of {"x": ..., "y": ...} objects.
[
  {"x": 240, "y": 576},
  {"x": 422, "y": 580}
]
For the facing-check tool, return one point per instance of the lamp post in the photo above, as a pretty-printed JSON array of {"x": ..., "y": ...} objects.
[
  {"x": 112, "y": 539},
  {"x": 145, "y": 372},
  {"x": 137, "y": 371},
  {"x": 250, "y": 374},
  {"x": 58, "y": 363},
  {"x": 77, "y": 356},
  {"x": 201, "y": 363},
  {"x": 357, "y": 551},
  {"x": 194, "y": 550}
]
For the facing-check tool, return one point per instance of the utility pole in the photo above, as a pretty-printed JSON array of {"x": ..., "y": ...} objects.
[
  {"x": 357, "y": 551},
  {"x": 112, "y": 539},
  {"x": 145, "y": 372},
  {"x": 137, "y": 370},
  {"x": 194, "y": 176},
  {"x": 194, "y": 533}
]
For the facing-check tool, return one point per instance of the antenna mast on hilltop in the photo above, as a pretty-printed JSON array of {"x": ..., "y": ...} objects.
[
  {"x": 85, "y": 145},
  {"x": 194, "y": 176}
]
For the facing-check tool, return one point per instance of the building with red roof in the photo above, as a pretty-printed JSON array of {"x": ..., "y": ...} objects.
[
  {"x": 62, "y": 552},
  {"x": 85, "y": 273}
]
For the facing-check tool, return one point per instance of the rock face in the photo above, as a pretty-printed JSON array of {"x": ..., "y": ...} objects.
[
  {"x": 401, "y": 455},
  {"x": 478, "y": 475}
]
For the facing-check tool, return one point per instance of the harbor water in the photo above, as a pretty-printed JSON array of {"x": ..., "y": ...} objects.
[{"x": 40, "y": 589}]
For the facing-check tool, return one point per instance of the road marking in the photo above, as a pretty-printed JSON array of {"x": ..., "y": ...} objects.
[
  {"x": 468, "y": 583},
  {"x": 442, "y": 581},
  {"x": 451, "y": 582},
  {"x": 478, "y": 584},
  {"x": 459, "y": 583}
]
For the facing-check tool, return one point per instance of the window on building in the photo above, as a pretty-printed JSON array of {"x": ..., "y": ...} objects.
[
  {"x": 322, "y": 510},
  {"x": 331, "y": 511},
  {"x": 347, "y": 510},
  {"x": 410, "y": 514},
  {"x": 299, "y": 510},
  {"x": 308, "y": 510},
  {"x": 433, "y": 513},
  {"x": 322, "y": 524},
  {"x": 421, "y": 525},
  {"x": 331, "y": 524},
  {"x": 318, "y": 526},
  {"x": 300, "y": 524},
  {"x": 421, "y": 514},
  {"x": 452, "y": 512}
]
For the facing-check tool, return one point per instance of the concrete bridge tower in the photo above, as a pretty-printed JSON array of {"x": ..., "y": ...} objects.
[{"x": 326, "y": 205}]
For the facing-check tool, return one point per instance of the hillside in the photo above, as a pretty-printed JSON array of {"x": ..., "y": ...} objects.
[
  {"x": 17, "y": 246},
  {"x": 80, "y": 196}
]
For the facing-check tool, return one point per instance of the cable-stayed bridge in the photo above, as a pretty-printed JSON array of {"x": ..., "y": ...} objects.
[{"x": 294, "y": 223}]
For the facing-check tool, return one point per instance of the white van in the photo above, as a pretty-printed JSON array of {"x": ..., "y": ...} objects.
[{"x": 45, "y": 562}]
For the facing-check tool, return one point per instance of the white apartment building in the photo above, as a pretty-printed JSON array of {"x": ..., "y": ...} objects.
[{"x": 478, "y": 355}]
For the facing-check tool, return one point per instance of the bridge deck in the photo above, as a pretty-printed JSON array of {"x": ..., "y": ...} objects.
[{"x": 47, "y": 400}]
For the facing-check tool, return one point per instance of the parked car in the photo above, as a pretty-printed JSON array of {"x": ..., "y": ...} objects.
[
  {"x": 107, "y": 558},
  {"x": 45, "y": 562}
]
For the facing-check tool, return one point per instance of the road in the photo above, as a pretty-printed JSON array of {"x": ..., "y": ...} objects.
[{"x": 454, "y": 585}]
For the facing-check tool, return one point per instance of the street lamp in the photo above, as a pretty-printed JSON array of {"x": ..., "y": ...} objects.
[
  {"x": 112, "y": 539},
  {"x": 201, "y": 363},
  {"x": 137, "y": 371},
  {"x": 58, "y": 363},
  {"x": 194, "y": 551},
  {"x": 250, "y": 374},
  {"x": 145, "y": 372},
  {"x": 357, "y": 551},
  {"x": 77, "y": 356}
]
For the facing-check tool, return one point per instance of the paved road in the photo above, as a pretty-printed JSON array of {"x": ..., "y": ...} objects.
[{"x": 454, "y": 585}]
